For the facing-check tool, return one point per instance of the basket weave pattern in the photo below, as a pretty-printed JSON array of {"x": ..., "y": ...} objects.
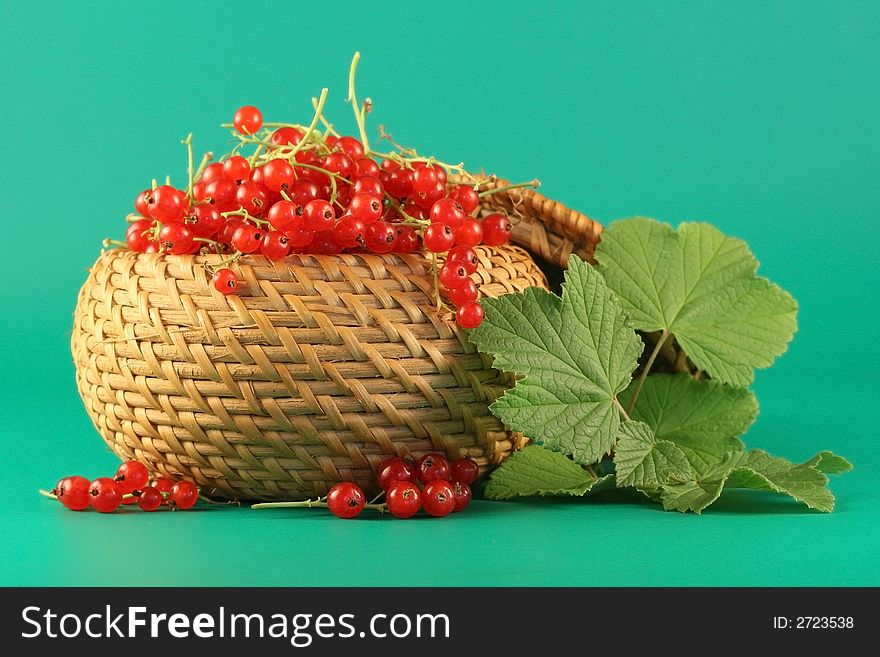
[{"x": 318, "y": 369}]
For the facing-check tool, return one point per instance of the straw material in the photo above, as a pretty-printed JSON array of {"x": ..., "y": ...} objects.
[{"x": 317, "y": 370}]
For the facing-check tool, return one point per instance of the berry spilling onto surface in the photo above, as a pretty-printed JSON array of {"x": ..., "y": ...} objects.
[
  {"x": 130, "y": 485},
  {"x": 346, "y": 500}
]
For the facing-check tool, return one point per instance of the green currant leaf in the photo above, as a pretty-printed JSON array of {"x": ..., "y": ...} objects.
[
  {"x": 575, "y": 354},
  {"x": 642, "y": 460},
  {"x": 829, "y": 463},
  {"x": 696, "y": 494},
  {"x": 759, "y": 470},
  {"x": 702, "y": 287},
  {"x": 536, "y": 470}
]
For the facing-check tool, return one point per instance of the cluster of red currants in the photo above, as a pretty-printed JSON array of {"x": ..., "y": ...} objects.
[
  {"x": 130, "y": 485},
  {"x": 303, "y": 191},
  {"x": 445, "y": 487}
]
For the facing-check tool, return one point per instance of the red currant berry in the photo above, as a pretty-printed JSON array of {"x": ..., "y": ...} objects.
[
  {"x": 105, "y": 495},
  {"x": 303, "y": 191},
  {"x": 407, "y": 240},
  {"x": 252, "y": 197},
  {"x": 447, "y": 211},
  {"x": 424, "y": 180},
  {"x": 466, "y": 196},
  {"x": 338, "y": 163},
  {"x": 131, "y": 475},
  {"x": 163, "y": 484},
  {"x": 138, "y": 235},
  {"x": 390, "y": 165},
  {"x": 470, "y": 233},
  {"x": 464, "y": 470},
  {"x": 365, "y": 167},
  {"x": 212, "y": 172},
  {"x": 299, "y": 235},
  {"x": 286, "y": 136},
  {"x": 237, "y": 168},
  {"x": 452, "y": 275},
  {"x": 351, "y": 147},
  {"x": 176, "y": 239},
  {"x": 496, "y": 229},
  {"x": 432, "y": 466},
  {"x": 283, "y": 214},
  {"x": 462, "y": 495},
  {"x": 247, "y": 238},
  {"x": 346, "y": 500},
  {"x": 438, "y": 498},
  {"x": 275, "y": 246},
  {"x": 463, "y": 256},
  {"x": 278, "y": 175},
  {"x": 247, "y": 119},
  {"x": 399, "y": 183},
  {"x": 203, "y": 220},
  {"x": 404, "y": 499},
  {"x": 369, "y": 185},
  {"x": 464, "y": 293},
  {"x": 324, "y": 243},
  {"x": 426, "y": 200},
  {"x": 470, "y": 315},
  {"x": 438, "y": 238},
  {"x": 227, "y": 230},
  {"x": 73, "y": 492},
  {"x": 379, "y": 237},
  {"x": 366, "y": 207},
  {"x": 318, "y": 215},
  {"x": 183, "y": 495},
  {"x": 150, "y": 499},
  {"x": 349, "y": 232},
  {"x": 224, "y": 281},
  {"x": 393, "y": 470},
  {"x": 168, "y": 204},
  {"x": 143, "y": 201},
  {"x": 222, "y": 194}
]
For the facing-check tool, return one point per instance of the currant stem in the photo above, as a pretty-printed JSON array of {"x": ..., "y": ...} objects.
[
  {"x": 645, "y": 370},
  {"x": 532, "y": 184},
  {"x": 244, "y": 214},
  {"x": 208, "y": 241},
  {"x": 206, "y": 158},
  {"x": 621, "y": 409},
  {"x": 190, "y": 174},
  {"x": 107, "y": 243},
  {"x": 319, "y": 111},
  {"x": 48, "y": 493},
  {"x": 329, "y": 126},
  {"x": 359, "y": 112}
]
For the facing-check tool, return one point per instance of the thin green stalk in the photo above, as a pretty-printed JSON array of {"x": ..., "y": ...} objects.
[{"x": 645, "y": 370}]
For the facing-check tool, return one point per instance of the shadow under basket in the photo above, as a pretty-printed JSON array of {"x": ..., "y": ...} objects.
[{"x": 316, "y": 371}]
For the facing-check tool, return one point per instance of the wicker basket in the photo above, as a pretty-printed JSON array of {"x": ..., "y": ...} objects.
[{"x": 319, "y": 369}]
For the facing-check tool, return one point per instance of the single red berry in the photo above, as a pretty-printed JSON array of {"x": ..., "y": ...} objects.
[
  {"x": 283, "y": 214},
  {"x": 369, "y": 185},
  {"x": 105, "y": 495},
  {"x": 247, "y": 119},
  {"x": 212, "y": 172},
  {"x": 346, "y": 500},
  {"x": 176, "y": 239},
  {"x": 366, "y": 207},
  {"x": 438, "y": 238},
  {"x": 404, "y": 499},
  {"x": 224, "y": 281},
  {"x": 150, "y": 499},
  {"x": 164, "y": 484},
  {"x": 438, "y": 498},
  {"x": 318, "y": 215},
  {"x": 227, "y": 230},
  {"x": 131, "y": 475},
  {"x": 349, "y": 232},
  {"x": 252, "y": 197},
  {"x": 183, "y": 495},
  {"x": 447, "y": 211},
  {"x": 426, "y": 200},
  {"x": 278, "y": 174},
  {"x": 462, "y": 294},
  {"x": 73, "y": 492},
  {"x": 275, "y": 246},
  {"x": 496, "y": 229},
  {"x": 464, "y": 470},
  {"x": 299, "y": 235},
  {"x": 398, "y": 182},
  {"x": 393, "y": 470},
  {"x": 424, "y": 179},
  {"x": 138, "y": 235},
  {"x": 203, "y": 220},
  {"x": 470, "y": 233},
  {"x": 337, "y": 162},
  {"x": 470, "y": 315},
  {"x": 365, "y": 166},
  {"x": 463, "y": 256},
  {"x": 324, "y": 243},
  {"x": 143, "y": 201},
  {"x": 452, "y": 275},
  {"x": 407, "y": 240},
  {"x": 462, "y": 495},
  {"x": 466, "y": 196},
  {"x": 286, "y": 136},
  {"x": 237, "y": 168},
  {"x": 222, "y": 192},
  {"x": 432, "y": 466},
  {"x": 167, "y": 204},
  {"x": 351, "y": 147},
  {"x": 379, "y": 237},
  {"x": 247, "y": 238}
]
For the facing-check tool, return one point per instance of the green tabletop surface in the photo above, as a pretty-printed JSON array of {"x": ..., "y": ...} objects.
[{"x": 760, "y": 117}]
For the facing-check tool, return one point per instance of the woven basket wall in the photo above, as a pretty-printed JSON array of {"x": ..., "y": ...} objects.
[{"x": 320, "y": 368}]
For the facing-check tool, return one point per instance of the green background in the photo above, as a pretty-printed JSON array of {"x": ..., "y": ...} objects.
[{"x": 759, "y": 117}]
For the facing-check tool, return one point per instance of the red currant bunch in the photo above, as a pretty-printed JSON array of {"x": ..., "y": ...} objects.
[
  {"x": 306, "y": 191},
  {"x": 130, "y": 485}
]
